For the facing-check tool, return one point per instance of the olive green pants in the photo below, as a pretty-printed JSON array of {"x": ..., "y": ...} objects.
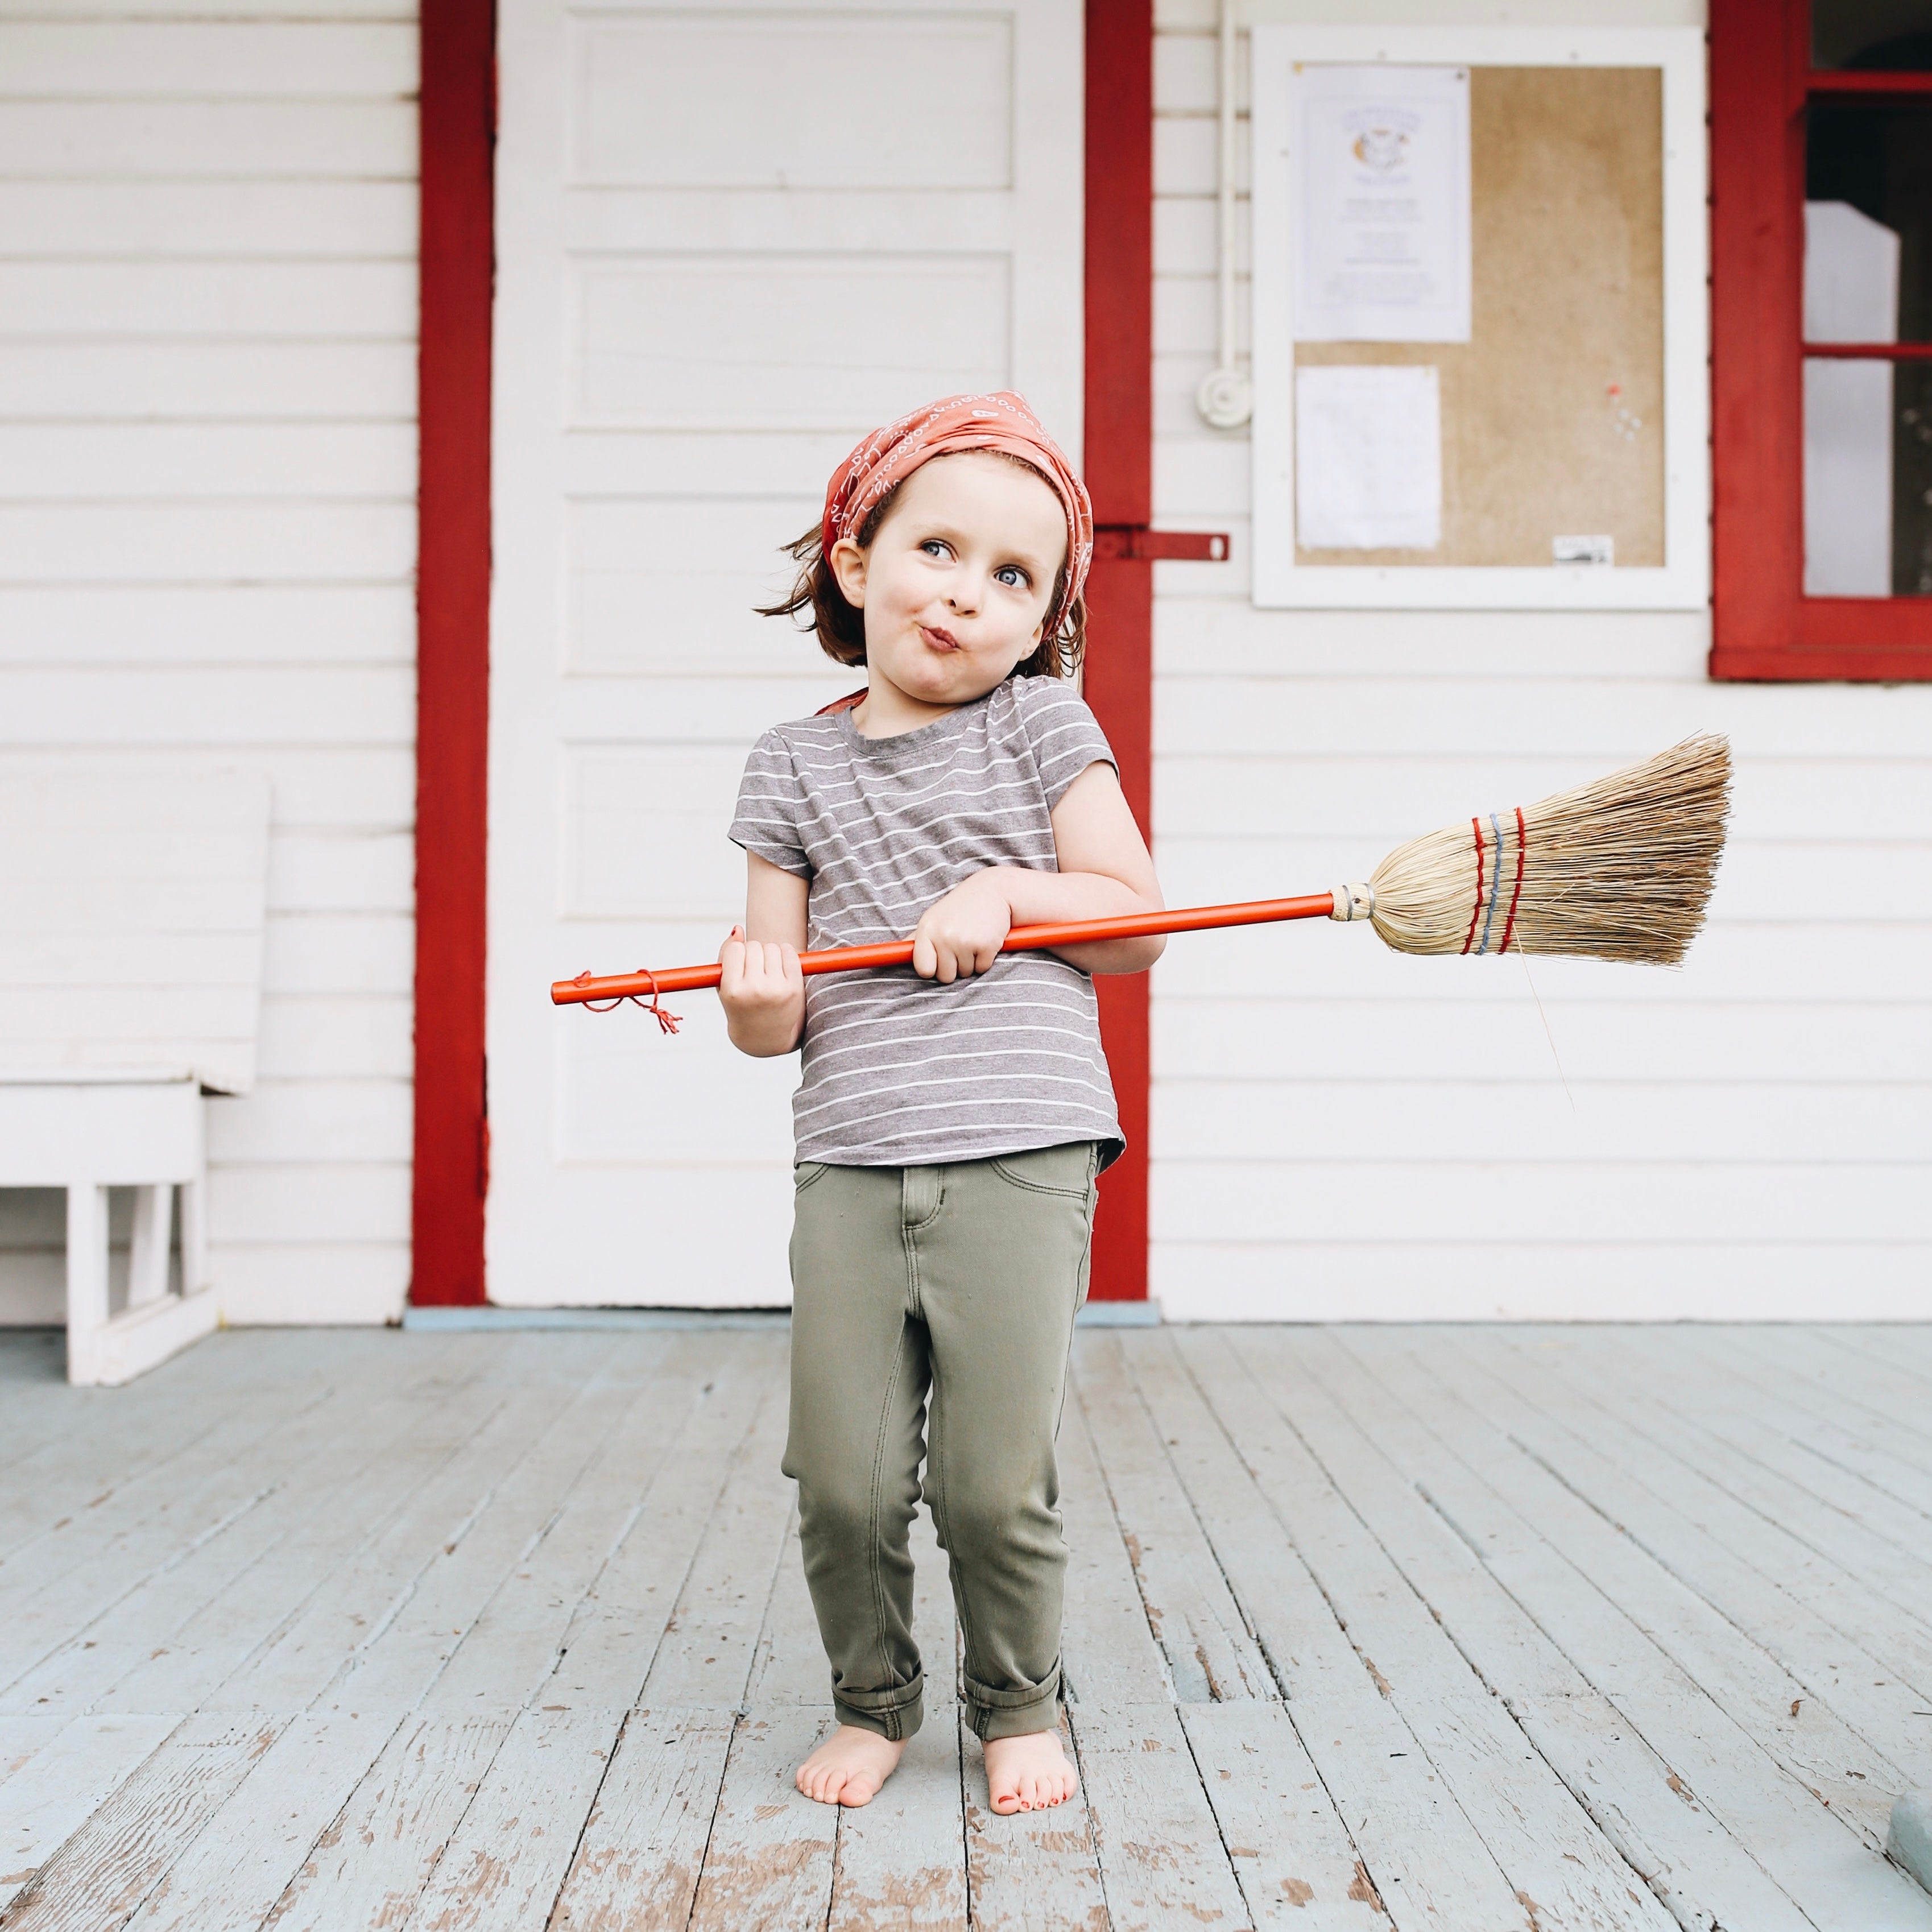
[{"x": 956, "y": 1285}]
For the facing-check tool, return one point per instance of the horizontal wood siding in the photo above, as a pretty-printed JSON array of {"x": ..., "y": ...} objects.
[
  {"x": 1338, "y": 1132},
  {"x": 208, "y": 325}
]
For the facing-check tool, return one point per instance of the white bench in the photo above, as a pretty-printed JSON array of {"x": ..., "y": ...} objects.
[{"x": 131, "y": 918}]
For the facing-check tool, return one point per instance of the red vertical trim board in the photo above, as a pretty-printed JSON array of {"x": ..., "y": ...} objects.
[
  {"x": 452, "y": 1152},
  {"x": 1119, "y": 463}
]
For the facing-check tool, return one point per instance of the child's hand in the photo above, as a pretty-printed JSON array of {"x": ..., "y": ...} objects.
[
  {"x": 960, "y": 935},
  {"x": 763, "y": 992}
]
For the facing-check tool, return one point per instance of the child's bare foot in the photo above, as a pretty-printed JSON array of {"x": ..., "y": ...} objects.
[
  {"x": 1029, "y": 1773},
  {"x": 849, "y": 1767}
]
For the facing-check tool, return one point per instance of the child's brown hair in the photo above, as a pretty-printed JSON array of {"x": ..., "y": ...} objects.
[{"x": 841, "y": 625}]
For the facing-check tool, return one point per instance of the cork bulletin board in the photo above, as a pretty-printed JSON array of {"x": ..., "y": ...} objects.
[{"x": 1576, "y": 408}]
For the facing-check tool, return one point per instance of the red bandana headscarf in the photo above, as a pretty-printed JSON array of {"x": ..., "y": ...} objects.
[{"x": 1001, "y": 421}]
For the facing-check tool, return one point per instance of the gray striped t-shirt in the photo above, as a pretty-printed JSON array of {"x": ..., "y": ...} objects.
[{"x": 899, "y": 1071}]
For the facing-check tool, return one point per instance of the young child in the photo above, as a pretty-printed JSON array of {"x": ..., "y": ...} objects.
[{"x": 950, "y": 1121}]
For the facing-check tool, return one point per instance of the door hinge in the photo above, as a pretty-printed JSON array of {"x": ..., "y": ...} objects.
[{"x": 1136, "y": 540}]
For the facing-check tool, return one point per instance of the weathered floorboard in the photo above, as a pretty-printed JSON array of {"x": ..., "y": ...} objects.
[
  {"x": 1444, "y": 1628},
  {"x": 637, "y": 1866},
  {"x": 369, "y": 1867},
  {"x": 769, "y": 1859},
  {"x": 505, "y": 1861},
  {"x": 1424, "y": 1857},
  {"x": 1293, "y": 1861},
  {"x": 1210, "y": 1656}
]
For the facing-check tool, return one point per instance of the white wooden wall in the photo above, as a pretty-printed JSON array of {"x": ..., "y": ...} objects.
[
  {"x": 207, "y": 540},
  {"x": 1341, "y": 1133}
]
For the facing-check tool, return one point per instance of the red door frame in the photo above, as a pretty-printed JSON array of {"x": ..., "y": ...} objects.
[
  {"x": 1763, "y": 624},
  {"x": 457, "y": 276},
  {"x": 458, "y": 129},
  {"x": 1119, "y": 463}
]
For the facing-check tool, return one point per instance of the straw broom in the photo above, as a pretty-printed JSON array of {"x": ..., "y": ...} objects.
[{"x": 1621, "y": 868}]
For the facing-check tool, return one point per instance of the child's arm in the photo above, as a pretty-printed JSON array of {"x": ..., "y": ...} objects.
[
  {"x": 1104, "y": 872},
  {"x": 763, "y": 990}
]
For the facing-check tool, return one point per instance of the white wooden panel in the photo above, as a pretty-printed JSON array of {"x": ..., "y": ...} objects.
[
  {"x": 1448, "y": 1039},
  {"x": 353, "y": 219},
  {"x": 313, "y": 1283},
  {"x": 685, "y": 348},
  {"x": 291, "y": 1121},
  {"x": 1748, "y": 960},
  {"x": 1701, "y": 1203},
  {"x": 689, "y": 344},
  {"x": 297, "y": 300},
  {"x": 245, "y": 623},
  {"x": 665, "y": 709},
  {"x": 620, "y": 221},
  {"x": 1200, "y": 636},
  {"x": 81, "y": 543},
  {"x": 135, "y": 1134},
  {"x": 360, "y": 139},
  {"x": 41, "y": 462},
  {"x": 360, "y": 952},
  {"x": 1425, "y": 1280},
  {"x": 1200, "y": 476},
  {"x": 755, "y": 99},
  {"x": 344, "y": 872},
  {"x": 627, "y": 1094},
  {"x": 307, "y": 1036},
  {"x": 1599, "y": 723},
  {"x": 645, "y": 828},
  {"x": 332, "y": 787},
  {"x": 312, "y": 1200},
  {"x": 1186, "y": 232},
  {"x": 1187, "y": 76},
  {"x": 1187, "y": 311},
  {"x": 697, "y": 1237},
  {"x": 170, "y": 188},
  {"x": 193, "y": 705},
  {"x": 305, "y": 381},
  {"x": 1832, "y": 800},
  {"x": 1530, "y": 1121},
  {"x": 99, "y": 860},
  {"x": 649, "y": 576},
  {"x": 791, "y": 466},
  {"x": 1187, "y": 155},
  {"x": 207, "y": 59}
]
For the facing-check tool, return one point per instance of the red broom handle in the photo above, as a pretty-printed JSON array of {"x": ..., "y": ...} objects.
[{"x": 1021, "y": 939}]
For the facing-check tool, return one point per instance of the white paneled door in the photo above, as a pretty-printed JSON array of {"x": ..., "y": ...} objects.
[{"x": 729, "y": 241}]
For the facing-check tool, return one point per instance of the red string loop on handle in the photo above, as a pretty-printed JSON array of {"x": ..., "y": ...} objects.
[{"x": 667, "y": 1021}]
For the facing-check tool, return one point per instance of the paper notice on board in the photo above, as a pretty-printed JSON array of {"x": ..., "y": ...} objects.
[
  {"x": 1368, "y": 457},
  {"x": 1380, "y": 158}
]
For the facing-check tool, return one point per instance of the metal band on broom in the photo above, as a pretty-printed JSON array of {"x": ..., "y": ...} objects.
[{"x": 1619, "y": 869}]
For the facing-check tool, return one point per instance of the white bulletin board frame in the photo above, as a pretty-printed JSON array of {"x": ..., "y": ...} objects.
[{"x": 1682, "y": 581}]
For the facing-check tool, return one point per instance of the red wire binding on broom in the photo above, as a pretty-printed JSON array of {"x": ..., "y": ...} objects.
[
  {"x": 1476, "y": 911},
  {"x": 667, "y": 1021},
  {"x": 1522, "y": 847}
]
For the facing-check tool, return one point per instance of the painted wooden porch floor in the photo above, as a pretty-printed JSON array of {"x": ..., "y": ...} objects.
[{"x": 1466, "y": 1628}]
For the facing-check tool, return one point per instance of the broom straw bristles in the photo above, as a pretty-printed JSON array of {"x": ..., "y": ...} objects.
[{"x": 1620, "y": 868}]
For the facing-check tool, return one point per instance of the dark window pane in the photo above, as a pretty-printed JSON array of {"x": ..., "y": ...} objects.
[
  {"x": 1868, "y": 479},
  {"x": 1911, "y": 481},
  {"x": 1888, "y": 34},
  {"x": 1877, "y": 159}
]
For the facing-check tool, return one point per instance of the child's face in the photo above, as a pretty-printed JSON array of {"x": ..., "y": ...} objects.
[{"x": 956, "y": 584}]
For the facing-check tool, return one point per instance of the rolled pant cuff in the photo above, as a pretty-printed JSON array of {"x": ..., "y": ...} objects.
[
  {"x": 893, "y": 1714},
  {"x": 1013, "y": 1713}
]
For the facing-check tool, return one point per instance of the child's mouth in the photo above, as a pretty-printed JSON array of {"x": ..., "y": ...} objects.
[{"x": 938, "y": 639}]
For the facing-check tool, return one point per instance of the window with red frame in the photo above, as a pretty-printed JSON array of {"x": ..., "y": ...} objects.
[{"x": 1821, "y": 270}]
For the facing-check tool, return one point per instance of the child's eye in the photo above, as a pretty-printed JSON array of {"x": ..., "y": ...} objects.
[
  {"x": 1011, "y": 576},
  {"x": 935, "y": 546}
]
